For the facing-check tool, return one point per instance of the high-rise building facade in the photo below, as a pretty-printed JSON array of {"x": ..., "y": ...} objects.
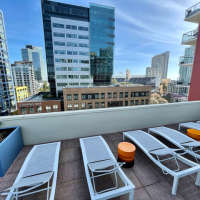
[
  {"x": 79, "y": 44},
  {"x": 7, "y": 91},
  {"x": 159, "y": 65},
  {"x": 34, "y": 55},
  {"x": 23, "y": 75},
  {"x": 185, "y": 65},
  {"x": 66, "y": 31},
  {"x": 102, "y": 34},
  {"x": 148, "y": 72}
]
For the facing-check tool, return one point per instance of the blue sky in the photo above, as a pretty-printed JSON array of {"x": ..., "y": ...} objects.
[{"x": 144, "y": 28}]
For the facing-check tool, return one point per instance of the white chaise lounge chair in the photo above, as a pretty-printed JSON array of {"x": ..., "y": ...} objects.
[
  {"x": 38, "y": 173},
  {"x": 179, "y": 139},
  {"x": 99, "y": 161},
  {"x": 155, "y": 150},
  {"x": 192, "y": 125}
]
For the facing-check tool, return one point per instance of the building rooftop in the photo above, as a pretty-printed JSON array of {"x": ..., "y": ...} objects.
[
  {"x": 40, "y": 97},
  {"x": 150, "y": 182},
  {"x": 111, "y": 86}
]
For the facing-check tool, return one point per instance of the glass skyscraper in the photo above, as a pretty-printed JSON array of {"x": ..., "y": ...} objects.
[
  {"x": 7, "y": 92},
  {"x": 34, "y": 55},
  {"x": 102, "y": 34}
]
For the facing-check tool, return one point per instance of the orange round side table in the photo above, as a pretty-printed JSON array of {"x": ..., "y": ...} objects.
[
  {"x": 126, "y": 153},
  {"x": 193, "y": 133}
]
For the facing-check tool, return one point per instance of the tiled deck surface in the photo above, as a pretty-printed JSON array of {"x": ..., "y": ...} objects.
[{"x": 150, "y": 183}]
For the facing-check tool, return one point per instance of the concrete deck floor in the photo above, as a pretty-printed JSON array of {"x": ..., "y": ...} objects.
[{"x": 150, "y": 182}]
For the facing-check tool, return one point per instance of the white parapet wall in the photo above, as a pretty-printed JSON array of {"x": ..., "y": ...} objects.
[{"x": 40, "y": 128}]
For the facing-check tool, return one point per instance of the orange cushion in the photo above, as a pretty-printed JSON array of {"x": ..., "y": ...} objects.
[{"x": 193, "y": 133}]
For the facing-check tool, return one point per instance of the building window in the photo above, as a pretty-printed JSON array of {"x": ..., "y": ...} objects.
[
  {"x": 68, "y": 35},
  {"x": 83, "y": 37},
  {"x": 83, "y": 96},
  {"x": 72, "y": 44},
  {"x": 132, "y": 102},
  {"x": 39, "y": 109},
  {"x": 81, "y": 28},
  {"x": 83, "y": 45},
  {"x": 115, "y": 95},
  {"x": 31, "y": 110},
  {"x": 56, "y": 25},
  {"x": 48, "y": 108},
  {"x": 58, "y": 34},
  {"x": 69, "y": 106},
  {"x": 136, "y": 94},
  {"x": 96, "y": 96},
  {"x": 126, "y": 94},
  {"x": 89, "y": 105},
  {"x": 72, "y": 27},
  {"x": 126, "y": 103},
  {"x": 121, "y": 95},
  {"x": 76, "y": 106},
  {"x": 75, "y": 96},
  {"x": 23, "y": 110},
  {"x": 55, "y": 108},
  {"x": 57, "y": 43},
  {"x": 102, "y": 95},
  {"x": 109, "y": 95},
  {"x": 132, "y": 94},
  {"x": 147, "y": 101},
  {"x": 83, "y": 105},
  {"x": 97, "y": 105},
  {"x": 142, "y": 102},
  {"x": 136, "y": 102},
  {"x": 69, "y": 97},
  {"x": 103, "y": 104}
]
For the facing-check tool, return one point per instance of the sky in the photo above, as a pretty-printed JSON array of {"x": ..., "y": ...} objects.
[{"x": 144, "y": 28}]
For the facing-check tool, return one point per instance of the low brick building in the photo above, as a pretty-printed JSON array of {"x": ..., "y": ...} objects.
[
  {"x": 38, "y": 104},
  {"x": 105, "y": 97}
]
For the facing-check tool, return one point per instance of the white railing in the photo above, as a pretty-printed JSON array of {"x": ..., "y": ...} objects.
[
  {"x": 47, "y": 127},
  {"x": 189, "y": 36},
  {"x": 193, "y": 9}
]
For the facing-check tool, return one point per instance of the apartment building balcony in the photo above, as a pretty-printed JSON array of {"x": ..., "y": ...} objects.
[
  {"x": 184, "y": 60},
  {"x": 190, "y": 37},
  {"x": 68, "y": 127},
  {"x": 192, "y": 14}
]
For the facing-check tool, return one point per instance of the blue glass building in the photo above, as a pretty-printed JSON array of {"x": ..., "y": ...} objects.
[
  {"x": 7, "y": 92},
  {"x": 102, "y": 34}
]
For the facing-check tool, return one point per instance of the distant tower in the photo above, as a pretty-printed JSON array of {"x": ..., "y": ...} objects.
[
  {"x": 148, "y": 72},
  {"x": 128, "y": 75}
]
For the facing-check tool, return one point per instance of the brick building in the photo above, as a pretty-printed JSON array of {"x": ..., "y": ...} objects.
[
  {"x": 38, "y": 104},
  {"x": 105, "y": 97}
]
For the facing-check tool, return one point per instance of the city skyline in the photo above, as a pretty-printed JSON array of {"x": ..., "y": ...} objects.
[{"x": 138, "y": 37}]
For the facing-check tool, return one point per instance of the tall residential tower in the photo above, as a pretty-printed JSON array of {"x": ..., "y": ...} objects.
[
  {"x": 79, "y": 44},
  {"x": 159, "y": 65},
  {"x": 34, "y": 55},
  {"x": 7, "y": 92}
]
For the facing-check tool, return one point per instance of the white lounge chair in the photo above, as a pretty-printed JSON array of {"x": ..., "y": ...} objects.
[
  {"x": 192, "y": 125},
  {"x": 155, "y": 150},
  {"x": 179, "y": 139},
  {"x": 38, "y": 173},
  {"x": 99, "y": 161}
]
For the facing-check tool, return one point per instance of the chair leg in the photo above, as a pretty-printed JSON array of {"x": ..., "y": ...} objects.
[
  {"x": 131, "y": 195},
  {"x": 175, "y": 185},
  {"x": 197, "y": 183},
  {"x": 48, "y": 190}
]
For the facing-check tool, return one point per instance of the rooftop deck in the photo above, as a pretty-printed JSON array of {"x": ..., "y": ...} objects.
[{"x": 150, "y": 183}]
